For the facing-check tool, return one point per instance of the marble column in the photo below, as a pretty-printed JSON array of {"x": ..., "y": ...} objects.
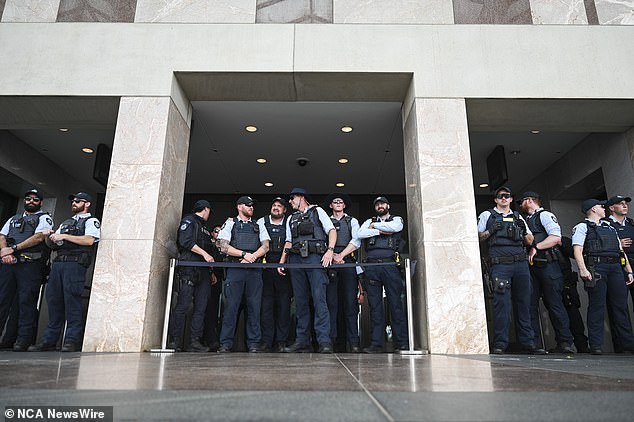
[
  {"x": 142, "y": 209},
  {"x": 30, "y": 10},
  {"x": 448, "y": 293}
]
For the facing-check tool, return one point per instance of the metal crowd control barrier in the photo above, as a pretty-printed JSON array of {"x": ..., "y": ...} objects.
[{"x": 174, "y": 263}]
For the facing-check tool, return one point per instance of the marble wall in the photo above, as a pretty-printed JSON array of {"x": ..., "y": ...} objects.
[
  {"x": 96, "y": 11},
  {"x": 492, "y": 11},
  {"x": 147, "y": 181},
  {"x": 393, "y": 11},
  {"x": 30, "y": 10},
  {"x": 615, "y": 12},
  {"x": 196, "y": 11},
  {"x": 441, "y": 213},
  {"x": 2, "y": 3},
  {"x": 294, "y": 11},
  {"x": 558, "y": 12}
]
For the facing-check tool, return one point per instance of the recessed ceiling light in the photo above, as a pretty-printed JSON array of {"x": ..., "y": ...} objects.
[
  {"x": 261, "y": 160},
  {"x": 484, "y": 185},
  {"x": 88, "y": 150},
  {"x": 63, "y": 129},
  {"x": 343, "y": 160},
  {"x": 535, "y": 131},
  {"x": 269, "y": 184},
  {"x": 515, "y": 152},
  {"x": 251, "y": 129},
  {"x": 346, "y": 129},
  {"x": 340, "y": 185},
  {"x": 41, "y": 183}
]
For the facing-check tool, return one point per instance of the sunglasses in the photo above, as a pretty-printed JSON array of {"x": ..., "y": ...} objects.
[
  {"x": 503, "y": 196},
  {"x": 32, "y": 199},
  {"x": 79, "y": 201},
  {"x": 338, "y": 201},
  {"x": 216, "y": 230},
  {"x": 248, "y": 205}
]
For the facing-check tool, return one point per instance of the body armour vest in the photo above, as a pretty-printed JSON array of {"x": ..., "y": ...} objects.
[
  {"x": 277, "y": 233},
  {"x": 535, "y": 225},
  {"x": 245, "y": 235},
  {"x": 508, "y": 240},
  {"x": 203, "y": 239},
  {"x": 344, "y": 232},
  {"x": 625, "y": 231},
  {"x": 74, "y": 228},
  {"x": 383, "y": 245},
  {"x": 22, "y": 227},
  {"x": 601, "y": 240},
  {"x": 306, "y": 227}
]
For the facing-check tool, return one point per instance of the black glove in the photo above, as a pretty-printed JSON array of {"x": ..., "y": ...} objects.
[{"x": 495, "y": 227}]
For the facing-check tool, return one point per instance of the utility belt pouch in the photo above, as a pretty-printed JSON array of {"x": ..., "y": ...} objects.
[
  {"x": 540, "y": 262},
  {"x": 303, "y": 249},
  {"x": 589, "y": 284},
  {"x": 305, "y": 228},
  {"x": 501, "y": 285}
]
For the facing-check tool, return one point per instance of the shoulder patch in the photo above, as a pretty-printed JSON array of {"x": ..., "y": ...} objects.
[
  {"x": 574, "y": 229},
  {"x": 554, "y": 218},
  {"x": 49, "y": 221},
  {"x": 184, "y": 226},
  {"x": 97, "y": 224}
]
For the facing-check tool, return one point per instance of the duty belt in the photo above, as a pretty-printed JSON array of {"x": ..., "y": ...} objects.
[
  {"x": 507, "y": 259},
  {"x": 379, "y": 260},
  {"x": 548, "y": 255},
  {"x": 603, "y": 259},
  {"x": 26, "y": 257},
  {"x": 67, "y": 258},
  {"x": 313, "y": 247}
]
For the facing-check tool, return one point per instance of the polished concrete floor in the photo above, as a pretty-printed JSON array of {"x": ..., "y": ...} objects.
[{"x": 312, "y": 387}]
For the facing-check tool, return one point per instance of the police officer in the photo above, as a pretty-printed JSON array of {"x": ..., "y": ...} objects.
[
  {"x": 618, "y": 207},
  {"x": 244, "y": 241},
  {"x": 194, "y": 244},
  {"x": 598, "y": 254},
  {"x": 343, "y": 287},
  {"x": 506, "y": 232},
  {"x": 310, "y": 239},
  {"x": 74, "y": 242},
  {"x": 547, "y": 279},
  {"x": 382, "y": 235},
  {"x": 276, "y": 289},
  {"x": 23, "y": 258}
]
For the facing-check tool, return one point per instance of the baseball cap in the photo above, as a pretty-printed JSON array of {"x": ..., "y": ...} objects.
[
  {"x": 503, "y": 188},
  {"x": 589, "y": 203},
  {"x": 80, "y": 195},
  {"x": 246, "y": 200},
  {"x": 34, "y": 192},
  {"x": 280, "y": 200},
  {"x": 529, "y": 194},
  {"x": 201, "y": 204},
  {"x": 301, "y": 192},
  {"x": 618, "y": 198},
  {"x": 380, "y": 199}
]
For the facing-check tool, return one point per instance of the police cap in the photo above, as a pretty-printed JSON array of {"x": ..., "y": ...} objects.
[
  {"x": 281, "y": 200},
  {"x": 80, "y": 195},
  {"x": 589, "y": 203},
  {"x": 526, "y": 195},
  {"x": 246, "y": 200},
  {"x": 380, "y": 199},
  {"x": 344, "y": 197},
  {"x": 201, "y": 204},
  {"x": 503, "y": 189},
  {"x": 618, "y": 198},
  {"x": 34, "y": 192},
  {"x": 300, "y": 192}
]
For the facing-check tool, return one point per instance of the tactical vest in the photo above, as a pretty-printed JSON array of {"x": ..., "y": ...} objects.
[
  {"x": 383, "y": 245},
  {"x": 22, "y": 227},
  {"x": 305, "y": 226},
  {"x": 601, "y": 240},
  {"x": 508, "y": 240},
  {"x": 203, "y": 239},
  {"x": 625, "y": 231},
  {"x": 344, "y": 232},
  {"x": 535, "y": 225},
  {"x": 73, "y": 227},
  {"x": 277, "y": 233},
  {"x": 245, "y": 235}
]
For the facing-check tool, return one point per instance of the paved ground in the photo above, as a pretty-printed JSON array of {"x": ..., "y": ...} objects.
[{"x": 345, "y": 387}]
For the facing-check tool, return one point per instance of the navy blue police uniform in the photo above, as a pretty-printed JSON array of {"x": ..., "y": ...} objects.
[
  {"x": 211, "y": 332},
  {"x": 246, "y": 236},
  {"x": 195, "y": 283},
  {"x": 25, "y": 276},
  {"x": 548, "y": 280},
  {"x": 625, "y": 230},
  {"x": 381, "y": 248},
  {"x": 67, "y": 279},
  {"x": 601, "y": 254},
  {"x": 276, "y": 291},
  {"x": 308, "y": 234},
  {"x": 510, "y": 275},
  {"x": 343, "y": 288}
]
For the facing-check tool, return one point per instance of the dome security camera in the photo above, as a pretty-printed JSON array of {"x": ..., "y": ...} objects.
[{"x": 302, "y": 162}]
